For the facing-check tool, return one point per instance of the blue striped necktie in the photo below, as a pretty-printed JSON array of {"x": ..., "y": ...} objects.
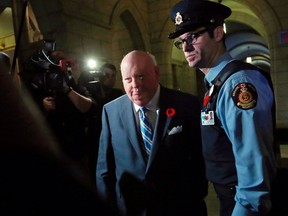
[{"x": 146, "y": 130}]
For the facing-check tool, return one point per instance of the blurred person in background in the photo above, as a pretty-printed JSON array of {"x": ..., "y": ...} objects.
[
  {"x": 37, "y": 178},
  {"x": 66, "y": 105},
  {"x": 101, "y": 87}
]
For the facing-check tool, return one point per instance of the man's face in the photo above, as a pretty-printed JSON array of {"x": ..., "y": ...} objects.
[
  {"x": 140, "y": 78},
  {"x": 205, "y": 49},
  {"x": 193, "y": 44}
]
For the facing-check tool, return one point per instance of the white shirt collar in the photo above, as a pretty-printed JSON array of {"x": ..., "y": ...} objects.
[{"x": 153, "y": 103}]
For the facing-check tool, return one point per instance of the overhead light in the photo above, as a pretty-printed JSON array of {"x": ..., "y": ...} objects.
[
  {"x": 92, "y": 64},
  {"x": 224, "y": 28},
  {"x": 249, "y": 59}
]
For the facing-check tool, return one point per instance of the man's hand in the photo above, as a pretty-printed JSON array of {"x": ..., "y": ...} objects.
[{"x": 49, "y": 103}]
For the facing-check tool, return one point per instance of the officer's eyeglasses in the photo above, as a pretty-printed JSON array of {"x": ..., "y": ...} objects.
[{"x": 190, "y": 39}]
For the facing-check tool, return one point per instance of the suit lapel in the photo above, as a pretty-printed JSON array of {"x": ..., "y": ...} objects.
[
  {"x": 129, "y": 123},
  {"x": 162, "y": 124}
]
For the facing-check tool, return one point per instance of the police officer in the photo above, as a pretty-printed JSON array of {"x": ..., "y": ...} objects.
[{"x": 237, "y": 118}]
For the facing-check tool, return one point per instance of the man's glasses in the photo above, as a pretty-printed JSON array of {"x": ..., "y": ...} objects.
[{"x": 190, "y": 39}]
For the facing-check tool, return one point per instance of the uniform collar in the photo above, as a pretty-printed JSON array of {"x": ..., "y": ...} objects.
[{"x": 220, "y": 64}]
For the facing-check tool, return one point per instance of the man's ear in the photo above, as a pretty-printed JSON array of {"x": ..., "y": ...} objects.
[{"x": 219, "y": 33}]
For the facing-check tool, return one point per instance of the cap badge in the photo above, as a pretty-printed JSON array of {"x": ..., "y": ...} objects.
[{"x": 178, "y": 19}]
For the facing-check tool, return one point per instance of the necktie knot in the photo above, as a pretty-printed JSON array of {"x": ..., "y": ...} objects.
[{"x": 143, "y": 111}]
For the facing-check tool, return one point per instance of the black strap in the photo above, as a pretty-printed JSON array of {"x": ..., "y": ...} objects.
[{"x": 234, "y": 66}]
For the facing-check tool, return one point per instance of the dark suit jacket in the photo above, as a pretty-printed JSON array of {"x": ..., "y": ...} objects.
[{"x": 172, "y": 182}]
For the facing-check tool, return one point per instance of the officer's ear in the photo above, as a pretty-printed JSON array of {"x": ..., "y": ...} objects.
[{"x": 219, "y": 33}]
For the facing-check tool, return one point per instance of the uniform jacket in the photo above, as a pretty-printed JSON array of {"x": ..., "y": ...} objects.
[
  {"x": 239, "y": 150},
  {"x": 173, "y": 178}
]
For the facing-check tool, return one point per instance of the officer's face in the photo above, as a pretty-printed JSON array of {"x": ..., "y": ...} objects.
[
  {"x": 192, "y": 46},
  {"x": 203, "y": 52}
]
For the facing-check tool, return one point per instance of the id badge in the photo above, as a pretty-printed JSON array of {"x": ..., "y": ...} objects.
[{"x": 207, "y": 118}]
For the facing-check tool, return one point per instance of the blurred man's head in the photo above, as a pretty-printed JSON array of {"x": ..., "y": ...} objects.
[
  {"x": 140, "y": 76},
  {"x": 108, "y": 77}
]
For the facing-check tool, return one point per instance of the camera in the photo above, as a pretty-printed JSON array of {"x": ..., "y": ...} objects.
[{"x": 48, "y": 69}]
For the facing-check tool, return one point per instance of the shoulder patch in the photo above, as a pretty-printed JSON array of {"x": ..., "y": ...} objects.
[{"x": 244, "y": 96}]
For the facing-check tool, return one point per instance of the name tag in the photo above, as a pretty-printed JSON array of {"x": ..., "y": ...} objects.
[{"x": 207, "y": 118}]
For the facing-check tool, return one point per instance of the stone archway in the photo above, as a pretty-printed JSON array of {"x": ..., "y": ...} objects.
[{"x": 130, "y": 31}]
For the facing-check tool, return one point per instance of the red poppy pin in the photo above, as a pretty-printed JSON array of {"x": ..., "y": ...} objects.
[
  {"x": 206, "y": 100},
  {"x": 170, "y": 112}
]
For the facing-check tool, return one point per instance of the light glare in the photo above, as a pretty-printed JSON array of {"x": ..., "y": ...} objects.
[{"x": 91, "y": 64}]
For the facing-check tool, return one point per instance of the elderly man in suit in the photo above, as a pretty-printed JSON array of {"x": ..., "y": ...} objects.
[{"x": 167, "y": 177}]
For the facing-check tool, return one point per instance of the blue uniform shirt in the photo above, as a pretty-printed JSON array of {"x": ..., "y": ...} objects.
[{"x": 251, "y": 134}]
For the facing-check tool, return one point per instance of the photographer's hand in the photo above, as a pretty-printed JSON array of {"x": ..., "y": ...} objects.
[
  {"x": 68, "y": 83},
  {"x": 49, "y": 103},
  {"x": 66, "y": 89}
]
